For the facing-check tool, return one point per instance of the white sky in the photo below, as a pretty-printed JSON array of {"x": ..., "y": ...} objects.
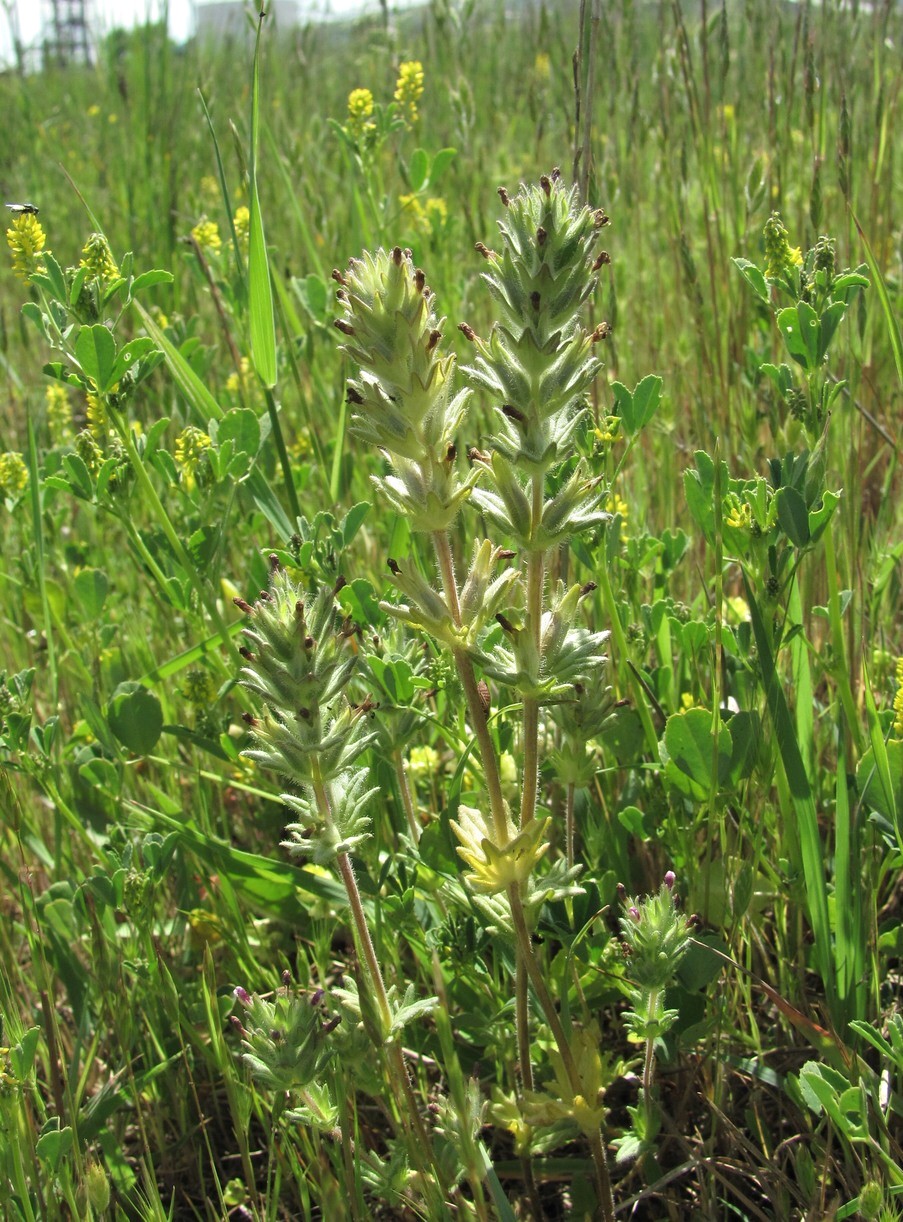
[{"x": 104, "y": 15}]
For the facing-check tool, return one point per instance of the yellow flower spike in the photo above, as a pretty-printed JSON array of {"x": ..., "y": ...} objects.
[
  {"x": 26, "y": 240},
  {"x": 242, "y": 223},
  {"x": 13, "y": 474},
  {"x": 97, "y": 259},
  {"x": 495, "y": 867},
  {"x": 206, "y": 234},
  {"x": 409, "y": 89},
  {"x": 59, "y": 414},
  {"x": 898, "y": 701}
]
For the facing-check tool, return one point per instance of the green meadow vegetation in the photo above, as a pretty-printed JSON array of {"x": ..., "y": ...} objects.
[{"x": 451, "y": 650}]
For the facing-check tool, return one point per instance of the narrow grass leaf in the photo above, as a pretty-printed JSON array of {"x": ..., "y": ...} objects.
[
  {"x": 887, "y": 309},
  {"x": 811, "y": 848},
  {"x": 262, "y": 323}
]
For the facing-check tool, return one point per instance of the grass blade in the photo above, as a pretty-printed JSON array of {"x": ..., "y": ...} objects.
[
  {"x": 260, "y": 291},
  {"x": 893, "y": 327}
]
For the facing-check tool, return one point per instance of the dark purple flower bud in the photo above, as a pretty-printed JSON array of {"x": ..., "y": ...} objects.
[
  {"x": 670, "y": 879},
  {"x": 242, "y": 995}
]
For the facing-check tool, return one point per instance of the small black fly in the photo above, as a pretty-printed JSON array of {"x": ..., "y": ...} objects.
[{"x": 23, "y": 209}]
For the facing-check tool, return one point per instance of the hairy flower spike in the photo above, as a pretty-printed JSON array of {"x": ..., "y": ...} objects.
[
  {"x": 404, "y": 394},
  {"x": 537, "y": 363},
  {"x": 495, "y": 866}
]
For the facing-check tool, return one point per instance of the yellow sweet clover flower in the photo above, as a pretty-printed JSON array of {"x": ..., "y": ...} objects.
[
  {"x": 98, "y": 261},
  {"x": 409, "y": 89},
  {"x": 360, "y": 113},
  {"x": 436, "y": 211},
  {"x": 241, "y": 381},
  {"x": 88, "y": 450},
  {"x": 93, "y": 111},
  {"x": 542, "y": 67},
  {"x": 898, "y": 701},
  {"x": 191, "y": 448},
  {"x": 739, "y": 514},
  {"x": 606, "y": 434},
  {"x": 302, "y": 446},
  {"x": 59, "y": 414},
  {"x": 13, "y": 475},
  {"x": 780, "y": 257},
  {"x": 206, "y": 234},
  {"x": 96, "y": 417},
  {"x": 242, "y": 223},
  {"x": 616, "y": 505},
  {"x": 423, "y": 764},
  {"x": 26, "y": 240}
]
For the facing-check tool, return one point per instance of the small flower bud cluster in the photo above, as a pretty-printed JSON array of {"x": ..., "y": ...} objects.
[
  {"x": 403, "y": 400},
  {"x": 299, "y": 662},
  {"x": 286, "y": 1041},
  {"x": 656, "y": 935}
]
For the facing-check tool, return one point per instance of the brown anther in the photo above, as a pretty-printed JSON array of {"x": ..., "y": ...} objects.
[
  {"x": 264, "y": 596},
  {"x": 513, "y": 413},
  {"x": 250, "y": 720},
  {"x": 535, "y": 299},
  {"x": 342, "y": 296},
  {"x": 587, "y": 589},
  {"x": 505, "y": 553},
  {"x": 304, "y": 714},
  {"x": 601, "y": 332},
  {"x": 546, "y": 184},
  {"x": 299, "y": 609},
  {"x": 556, "y": 175},
  {"x": 622, "y": 704},
  {"x": 600, "y": 219},
  {"x": 340, "y": 584},
  {"x": 345, "y": 327},
  {"x": 622, "y": 891},
  {"x": 419, "y": 279},
  {"x": 243, "y": 606},
  {"x": 485, "y": 698},
  {"x": 287, "y": 979},
  {"x": 485, "y": 251},
  {"x": 397, "y": 255},
  {"x": 309, "y": 642},
  {"x": 505, "y": 623},
  {"x": 275, "y": 563},
  {"x": 451, "y": 453},
  {"x": 504, "y": 196},
  {"x": 433, "y": 340},
  {"x": 338, "y": 277},
  {"x": 475, "y": 455},
  {"x": 246, "y": 653},
  {"x": 467, "y": 331},
  {"x": 602, "y": 259},
  {"x": 354, "y": 396},
  {"x": 393, "y": 567},
  {"x": 541, "y": 236}
]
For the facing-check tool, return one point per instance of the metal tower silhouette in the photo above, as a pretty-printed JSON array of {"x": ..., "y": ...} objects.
[{"x": 67, "y": 39}]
